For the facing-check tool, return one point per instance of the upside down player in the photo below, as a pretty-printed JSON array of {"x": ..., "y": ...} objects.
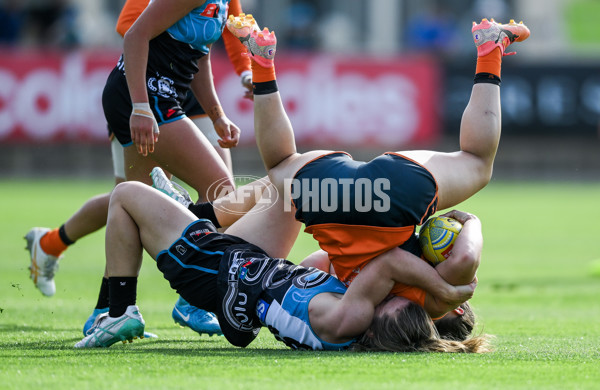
[{"x": 420, "y": 182}]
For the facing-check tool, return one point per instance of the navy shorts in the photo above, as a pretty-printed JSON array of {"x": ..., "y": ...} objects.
[
  {"x": 191, "y": 107},
  {"x": 388, "y": 191},
  {"x": 165, "y": 103},
  {"x": 191, "y": 264}
]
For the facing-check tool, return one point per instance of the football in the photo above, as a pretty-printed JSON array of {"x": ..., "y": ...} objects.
[{"x": 436, "y": 238}]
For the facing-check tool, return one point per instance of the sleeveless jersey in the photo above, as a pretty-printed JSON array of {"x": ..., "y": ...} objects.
[
  {"x": 258, "y": 290},
  {"x": 202, "y": 26},
  {"x": 283, "y": 307}
]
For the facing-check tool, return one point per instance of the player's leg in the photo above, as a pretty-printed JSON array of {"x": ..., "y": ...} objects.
[
  {"x": 461, "y": 174},
  {"x": 185, "y": 152},
  {"x": 272, "y": 127},
  {"x": 273, "y": 130},
  {"x": 270, "y": 228},
  {"x": 222, "y": 212},
  {"x": 47, "y": 245},
  {"x": 183, "y": 313},
  {"x": 92, "y": 215},
  {"x": 139, "y": 218}
]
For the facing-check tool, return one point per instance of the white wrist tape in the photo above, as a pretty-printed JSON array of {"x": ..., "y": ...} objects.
[
  {"x": 143, "y": 109},
  {"x": 246, "y": 77}
]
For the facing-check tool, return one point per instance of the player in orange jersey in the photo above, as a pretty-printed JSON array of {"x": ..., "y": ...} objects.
[{"x": 376, "y": 205}]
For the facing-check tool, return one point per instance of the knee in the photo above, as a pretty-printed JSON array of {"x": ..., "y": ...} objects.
[
  {"x": 126, "y": 190},
  {"x": 281, "y": 175}
]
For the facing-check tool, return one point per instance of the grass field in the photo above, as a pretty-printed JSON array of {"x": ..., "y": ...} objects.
[{"x": 539, "y": 288}]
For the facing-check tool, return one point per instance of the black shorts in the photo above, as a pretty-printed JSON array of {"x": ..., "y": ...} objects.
[
  {"x": 401, "y": 191},
  {"x": 165, "y": 103},
  {"x": 191, "y": 107},
  {"x": 191, "y": 264}
]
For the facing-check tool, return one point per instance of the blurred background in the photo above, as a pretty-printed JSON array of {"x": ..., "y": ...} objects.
[{"x": 364, "y": 76}]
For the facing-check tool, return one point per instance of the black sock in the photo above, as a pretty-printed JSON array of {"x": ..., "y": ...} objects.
[
  {"x": 122, "y": 294},
  {"x": 103, "y": 302},
  {"x": 264, "y": 88},
  {"x": 487, "y": 78},
  {"x": 63, "y": 235},
  {"x": 205, "y": 210}
]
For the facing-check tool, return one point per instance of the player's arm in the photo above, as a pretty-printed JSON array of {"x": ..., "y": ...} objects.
[
  {"x": 204, "y": 90},
  {"x": 460, "y": 267},
  {"x": 320, "y": 260},
  {"x": 375, "y": 281},
  {"x": 155, "y": 19}
]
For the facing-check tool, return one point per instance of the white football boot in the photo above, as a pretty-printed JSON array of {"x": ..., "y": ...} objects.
[
  {"x": 107, "y": 330},
  {"x": 171, "y": 189},
  {"x": 43, "y": 266}
]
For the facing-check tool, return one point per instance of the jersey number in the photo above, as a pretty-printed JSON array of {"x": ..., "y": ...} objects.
[{"x": 210, "y": 11}]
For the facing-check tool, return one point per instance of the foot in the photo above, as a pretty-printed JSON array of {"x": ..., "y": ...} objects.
[
  {"x": 171, "y": 189},
  {"x": 489, "y": 35},
  {"x": 92, "y": 321},
  {"x": 108, "y": 330},
  {"x": 260, "y": 44},
  {"x": 43, "y": 266},
  {"x": 198, "y": 320}
]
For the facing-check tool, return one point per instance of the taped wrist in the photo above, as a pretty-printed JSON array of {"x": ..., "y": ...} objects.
[
  {"x": 246, "y": 77},
  {"x": 143, "y": 109}
]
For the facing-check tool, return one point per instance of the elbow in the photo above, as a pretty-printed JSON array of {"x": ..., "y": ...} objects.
[
  {"x": 467, "y": 261},
  {"x": 133, "y": 37},
  {"x": 128, "y": 36}
]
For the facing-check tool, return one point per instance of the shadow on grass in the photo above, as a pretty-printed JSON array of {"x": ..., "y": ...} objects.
[
  {"x": 209, "y": 347},
  {"x": 4, "y": 328}
]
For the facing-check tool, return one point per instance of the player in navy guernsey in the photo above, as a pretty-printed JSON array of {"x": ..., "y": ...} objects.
[
  {"x": 47, "y": 245},
  {"x": 166, "y": 57}
]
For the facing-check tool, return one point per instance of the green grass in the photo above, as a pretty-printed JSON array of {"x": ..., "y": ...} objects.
[
  {"x": 581, "y": 22},
  {"x": 538, "y": 293}
]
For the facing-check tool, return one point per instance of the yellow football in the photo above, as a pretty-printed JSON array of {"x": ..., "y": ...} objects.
[{"x": 436, "y": 238}]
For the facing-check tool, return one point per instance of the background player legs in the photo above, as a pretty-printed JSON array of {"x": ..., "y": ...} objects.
[
  {"x": 205, "y": 125},
  {"x": 198, "y": 164},
  {"x": 90, "y": 217}
]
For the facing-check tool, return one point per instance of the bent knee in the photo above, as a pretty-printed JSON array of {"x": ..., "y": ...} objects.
[{"x": 126, "y": 190}]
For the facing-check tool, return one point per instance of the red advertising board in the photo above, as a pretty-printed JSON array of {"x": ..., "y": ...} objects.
[{"x": 49, "y": 97}]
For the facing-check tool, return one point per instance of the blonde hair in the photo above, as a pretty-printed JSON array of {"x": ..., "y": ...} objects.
[
  {"x": 411, "y": 330},
  {"x": 457, "y": 327}
]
